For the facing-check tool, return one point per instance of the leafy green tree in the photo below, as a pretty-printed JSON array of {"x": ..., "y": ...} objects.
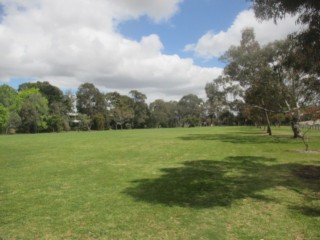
[
  {"x": 159, "y": 113},
  {"x": 173, "y": 113},
  {"x": 99, "y": 121},
  {"x": 251, "y": 66},
  {"x": 164, "y": 114},
  {"x": 59, "y": 104},
  {"x": 120, "y": 110},
  {"x": 4, "y": 116},
  {"x": 217, "y": 101},
  {"x": 190, "y": 107},
  {"x": 50, "y": 92},
  {"x": 297, "y": 87},
  {"x": 140, "y": 109},
  {"x": 227, "y": 118},
  {"x": 10, "y": 106},
  {"x": 58, "y": 117},
  {"x": 89, "y": 100},
  {"x": 34, "y": 111},
  {"x": 9, "y": 98},
  {"x": 14, "y": 121},
  {"x": 270, "y": 81},
  {"x": 308, "y": 12},
  {"x": 85, "y": 122}
]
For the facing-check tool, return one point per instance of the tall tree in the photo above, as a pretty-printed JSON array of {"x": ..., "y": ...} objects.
[
  {"x": 34, "y": 111},
  {"x": 59, "y": 105},
  {"x": 298, "y": 88},
  {"x": 4, "y": 116},
  {"x": 90, "y": 101},
  {"x": 120, "y": 110},
  {"x": 164, "y": 114},
  {"x": 8, "y": 97},
  {"x": 308, "y": 12},
  {"x": 190, "y": 109},
  {"x": 140, "y": 109},
  {"x": 11, "y": 106},
  {"x": 50, "y": 92},
  {"x": 216, "y": 102},
  {"x": 251, "y": 66}
]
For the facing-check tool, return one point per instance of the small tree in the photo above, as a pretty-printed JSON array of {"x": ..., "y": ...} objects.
[
  {"x": 34, "y": 111},
  {"x": 4, "y": 116}
]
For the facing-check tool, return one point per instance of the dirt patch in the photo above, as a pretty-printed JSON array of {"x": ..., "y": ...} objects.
[
  {"x": 306, "y": 152},
  {"x": 308, "y": 172}
]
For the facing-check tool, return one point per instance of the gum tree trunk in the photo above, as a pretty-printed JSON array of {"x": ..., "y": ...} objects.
[
  {"x": 268, "y": 122},
  {"x": 295, "y": 128}
]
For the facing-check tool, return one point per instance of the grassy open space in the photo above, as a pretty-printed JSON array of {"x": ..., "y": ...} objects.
[{"x": 196, "y": 183}]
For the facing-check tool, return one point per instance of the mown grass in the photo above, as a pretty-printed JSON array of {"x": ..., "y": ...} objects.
[{"x": 200, "y": 183}]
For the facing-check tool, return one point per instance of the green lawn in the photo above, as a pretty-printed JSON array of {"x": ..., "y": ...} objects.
[{"x": 198, "y": 183}]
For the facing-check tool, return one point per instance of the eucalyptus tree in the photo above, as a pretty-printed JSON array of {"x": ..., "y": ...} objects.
[
  {"x": 164, "y": 114},
  {"x": 120, "y": 110},
  {"x": 217, "y": 101},
  {"x": 140, "y": 109},
  {"x": 308, "y": 14},
  {"x": 298, "y": 88},
  {"x": 92, "y": 103},
  {"x": 159, "y": 113},
  {"x": 250, "y": 65},
  {"x": 272, "y": 83},
  {"x": 305, "y": 51},
  {"x": 190, "y": 108}
]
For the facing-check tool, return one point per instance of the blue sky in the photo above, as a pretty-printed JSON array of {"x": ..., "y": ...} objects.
[
  {"x": 163, "y": 48},
  {"x": 194, "y": 19}
]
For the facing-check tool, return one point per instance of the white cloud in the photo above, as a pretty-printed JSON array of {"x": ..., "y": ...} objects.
[
  {"x": 214, "y": 44},
  {"x": 157, "y": 10},
  {"x": 71, "y": 42}
]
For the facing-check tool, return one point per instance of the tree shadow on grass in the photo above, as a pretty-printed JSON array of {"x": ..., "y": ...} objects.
[
  {"x": 209, "y": 183},
  {"x": 237, "y": 139}
]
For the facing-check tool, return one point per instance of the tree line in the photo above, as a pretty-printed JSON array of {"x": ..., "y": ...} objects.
[
  {"x": 267, "y": 85},
  {"x": 42, "y": 107}
]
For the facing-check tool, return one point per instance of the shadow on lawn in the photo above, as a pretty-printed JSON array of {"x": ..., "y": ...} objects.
[
  {"x": 238, "y": 139},
  {"x": 209, "y": 183}
]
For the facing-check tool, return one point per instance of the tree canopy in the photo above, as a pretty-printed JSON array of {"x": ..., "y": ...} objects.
[{"x": 308, "y": 14}]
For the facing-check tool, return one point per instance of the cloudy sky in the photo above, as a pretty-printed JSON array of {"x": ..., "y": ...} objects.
[{"x": 163, "y": 48}]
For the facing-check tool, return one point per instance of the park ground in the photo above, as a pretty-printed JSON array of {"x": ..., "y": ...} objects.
[{"x": 196, "y": 183}]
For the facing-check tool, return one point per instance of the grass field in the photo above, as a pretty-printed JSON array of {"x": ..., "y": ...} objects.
[{"x": 198, "y": 183}]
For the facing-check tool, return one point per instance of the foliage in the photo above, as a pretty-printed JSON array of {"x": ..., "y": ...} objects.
[
  {"x": 268, "y": 80},
  {"x": 89, "y": 100},
  {"x": 120, "y": 110},
  {"x": 217, "y": 99},
  {"x": 308, "y": 12},
  {"x": 190, "y": 109},
  {"x": 14, "y": 121},
  {"x": 311, "y": 113},
  {"x": 34, "y": 111},
  {"x": 9, "y": 105},
  {"x": 8, "y": 98},
  {"x": 85, "y": 122},
  {"x": 249, "y": 64},
  {"x": 99, "y": 121},
  {"x": 164, "y": 114},
  {"x": 50, "y": 92},
  {"x": 4, "y": 116},
  {"x": 140, "y": 109}
]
